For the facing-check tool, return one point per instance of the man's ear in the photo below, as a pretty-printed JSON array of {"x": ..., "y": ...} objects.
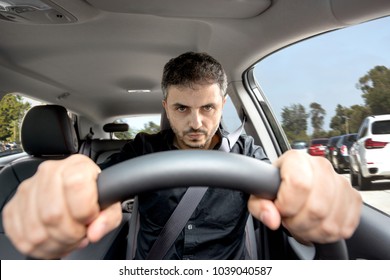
[
  {"x": 224, "y": 100},
  {"x": 165, "y": 106}
]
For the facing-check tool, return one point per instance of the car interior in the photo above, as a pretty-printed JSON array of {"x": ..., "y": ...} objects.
[{"x": 89, "y": 63}]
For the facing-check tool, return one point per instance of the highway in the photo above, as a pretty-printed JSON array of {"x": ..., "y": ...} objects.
[{"x": 378, "y": 195}]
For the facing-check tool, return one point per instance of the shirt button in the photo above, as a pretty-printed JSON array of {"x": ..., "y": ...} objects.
[{"x": 189, "y": 227}]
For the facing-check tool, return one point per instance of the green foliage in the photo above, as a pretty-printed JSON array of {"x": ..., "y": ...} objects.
[
  {"x": 357, "y": 114},
  {"x": 124, "y": 135},
  {"x": 317, "y": 115},
  {"x": 294, "y": 122},
  {"x": 376, "y": 90},
  {"x": 341, "y": 122},
  {"x": 12, "y": 110},
  {"x": 149, "y": 127}
]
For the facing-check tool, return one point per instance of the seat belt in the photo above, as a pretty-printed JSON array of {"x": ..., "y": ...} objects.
[
  {"x": 85, "y": 148},
  {"x": 186, "y": 207}
]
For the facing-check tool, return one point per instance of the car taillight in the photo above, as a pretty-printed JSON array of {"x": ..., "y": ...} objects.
[
  {"x": 344, "y": 150},
  {"x": 371, "y": 144}
]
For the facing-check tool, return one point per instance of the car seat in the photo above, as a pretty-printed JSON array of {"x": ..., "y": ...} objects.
[
  {"x": 46, "y": 133},
  {"x": 101, "y": 149}
]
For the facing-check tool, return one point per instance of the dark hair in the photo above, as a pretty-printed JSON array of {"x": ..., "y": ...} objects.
[{"x": 192, "y": 68}]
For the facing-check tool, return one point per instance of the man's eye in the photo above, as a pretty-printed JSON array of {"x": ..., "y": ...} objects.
[
  {"x": 208, "y": 108},
  {"x": 181, "y": 108}
]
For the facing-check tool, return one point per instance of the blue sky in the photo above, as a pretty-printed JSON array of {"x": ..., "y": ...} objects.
[{"x": 325, "y": 69}]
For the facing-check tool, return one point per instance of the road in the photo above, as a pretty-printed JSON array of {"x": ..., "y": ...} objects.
[{"x": 378, "y": 195}]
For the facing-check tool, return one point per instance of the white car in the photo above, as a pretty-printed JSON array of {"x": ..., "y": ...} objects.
[{"x": 370, "y": 154}]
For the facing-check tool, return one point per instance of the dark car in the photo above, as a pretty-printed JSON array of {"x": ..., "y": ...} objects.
[
  {"x": 300, "y": 145},
  {"x": 318, "y": 146},
  {"x": 341, "y": 152},
  {"x": 330, "y": 149}
]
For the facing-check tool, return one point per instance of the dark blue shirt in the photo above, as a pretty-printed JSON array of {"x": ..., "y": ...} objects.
[{"x": 216, "y": 228}]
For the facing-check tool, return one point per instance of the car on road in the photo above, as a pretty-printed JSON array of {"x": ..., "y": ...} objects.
[
  {"x": 330, "y": 149},
  {"x": 317, "y": 147},
  {"x": 342, "y": 149},
  {"x": 370, "y": 154},
  {"x": 100, "y": 62},
  {"x": 300, "y": 145}
]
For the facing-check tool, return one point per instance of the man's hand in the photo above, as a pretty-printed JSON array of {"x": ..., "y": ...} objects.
[
  {"x": 314, "y": 203},
  {"x": 57, "y": 211}
]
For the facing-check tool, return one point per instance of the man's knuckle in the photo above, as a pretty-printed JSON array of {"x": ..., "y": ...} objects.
[{"x": 52, "y": 215}]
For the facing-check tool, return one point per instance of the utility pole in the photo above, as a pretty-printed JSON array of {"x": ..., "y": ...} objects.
[{"x": 346, "y": 125}]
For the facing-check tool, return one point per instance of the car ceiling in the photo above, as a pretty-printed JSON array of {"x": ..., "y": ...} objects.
[{"x": 88, "y": 53}]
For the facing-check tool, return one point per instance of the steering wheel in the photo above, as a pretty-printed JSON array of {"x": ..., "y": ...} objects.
[{"x": 171, "y": 169}]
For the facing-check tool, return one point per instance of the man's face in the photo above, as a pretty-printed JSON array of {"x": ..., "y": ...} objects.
[{"x": 194, "y": 114}]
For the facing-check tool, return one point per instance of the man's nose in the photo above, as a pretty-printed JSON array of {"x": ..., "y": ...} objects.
[{"x": 195, "y": 119}]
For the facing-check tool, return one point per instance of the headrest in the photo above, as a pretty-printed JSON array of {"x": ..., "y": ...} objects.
[
  {"x": 164, "y": 122},
  {"x": 116, "y": 127},
  {"x": 48, "y": 130}
]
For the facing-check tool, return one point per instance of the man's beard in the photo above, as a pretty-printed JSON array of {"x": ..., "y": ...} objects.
[{"x": 193, "y": 144}]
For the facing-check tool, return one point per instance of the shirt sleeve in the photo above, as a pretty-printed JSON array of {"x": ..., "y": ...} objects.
[{"x": 246, "y": 146}]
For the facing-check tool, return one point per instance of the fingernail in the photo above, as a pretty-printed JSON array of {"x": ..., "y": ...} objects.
[{"x": 83, "y": 243}]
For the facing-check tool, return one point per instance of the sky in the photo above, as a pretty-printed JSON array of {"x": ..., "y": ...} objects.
[{"x": 328, "y": 66}]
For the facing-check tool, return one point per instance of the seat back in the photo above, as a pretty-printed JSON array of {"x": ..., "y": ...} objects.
[
  {"x": 100, "y": 149},
  {"x": 46, "y": 133},
  {"x": 164, "y": 122}
]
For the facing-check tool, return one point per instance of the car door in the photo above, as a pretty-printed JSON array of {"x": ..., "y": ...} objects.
[{"x": 331, "y": 112}]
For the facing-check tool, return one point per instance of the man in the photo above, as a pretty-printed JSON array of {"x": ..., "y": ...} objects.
[{"x": 58, "y": 205}]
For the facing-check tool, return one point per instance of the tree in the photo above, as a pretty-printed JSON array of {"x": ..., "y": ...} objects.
[
  {"x": 317, "y": 114},
  {"x": 376, "y": 90},
  {"x": 123, "y": 135},
  {"x": 348, "y": 120},
  {"x": 340, "y": 122},
  {"x": 12, "y": 110},
  {"x": 150, "y": 128},
  {"x": 294, "y": 122}
]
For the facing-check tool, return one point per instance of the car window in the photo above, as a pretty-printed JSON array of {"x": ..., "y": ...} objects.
[
  {"x": 348, "y": 140},
  {"x": 319, "y": 141},
  {"x": 329, "y": 84},
  {"x": 231, "y": 121},
  {"x": 381, "y": 127},
  {"x": 363, "y": 130},
  {"x": 13, "y": 107},
  {"x": 143, "y": 123}
]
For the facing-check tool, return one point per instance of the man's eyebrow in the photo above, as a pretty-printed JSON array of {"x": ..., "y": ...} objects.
[{"x": 179, "y": 105}]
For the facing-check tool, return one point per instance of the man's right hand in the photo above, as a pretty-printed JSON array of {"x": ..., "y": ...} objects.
[{"x": 56, "y": 211}]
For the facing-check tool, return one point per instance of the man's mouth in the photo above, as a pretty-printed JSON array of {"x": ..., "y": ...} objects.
[{"x": 195, "y": 136}]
